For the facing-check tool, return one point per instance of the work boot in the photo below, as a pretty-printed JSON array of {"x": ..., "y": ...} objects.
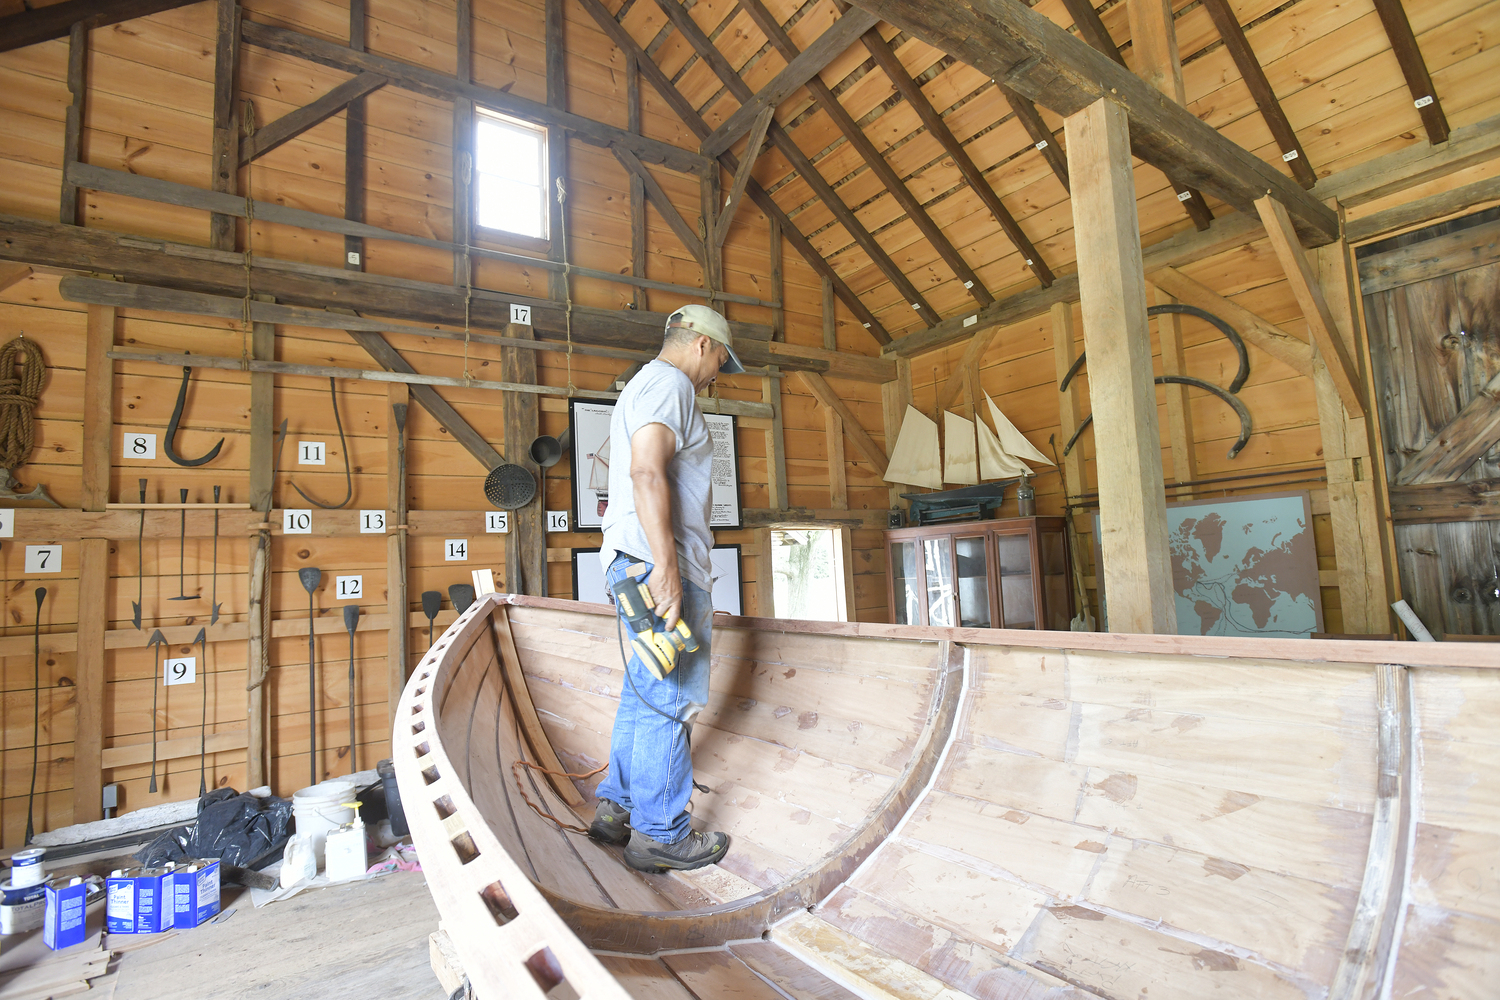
[
  {"x": 611, "y": 822},
  {"x": 693, "y": 851}
]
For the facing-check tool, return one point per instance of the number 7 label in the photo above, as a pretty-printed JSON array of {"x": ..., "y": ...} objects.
[{"x": 43, "y": 559}]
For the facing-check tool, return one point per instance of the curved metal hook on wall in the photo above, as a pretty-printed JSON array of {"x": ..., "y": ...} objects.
[
  {"x": 343, "y": 444},
  {"x": 1197, "y": 383},
  {"x": 1229, "y": 332},
  {"x": 172, "y": 426}
]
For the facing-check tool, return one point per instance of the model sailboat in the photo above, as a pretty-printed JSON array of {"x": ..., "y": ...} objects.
[{"x": 974, "y": 453}]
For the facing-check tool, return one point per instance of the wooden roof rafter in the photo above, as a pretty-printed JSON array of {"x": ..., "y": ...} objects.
[
  {"x": 41, "y": 24},
  {"x": 1414, "y": 68}
]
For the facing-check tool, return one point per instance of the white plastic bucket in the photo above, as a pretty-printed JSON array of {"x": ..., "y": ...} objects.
[{"x": 319, "y": 810}]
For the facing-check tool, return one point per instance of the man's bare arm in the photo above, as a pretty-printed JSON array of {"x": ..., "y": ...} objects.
[{"x": 651, "y": 451}]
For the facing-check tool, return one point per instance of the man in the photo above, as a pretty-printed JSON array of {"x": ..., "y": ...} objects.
[{"x": 660, "y": 475}]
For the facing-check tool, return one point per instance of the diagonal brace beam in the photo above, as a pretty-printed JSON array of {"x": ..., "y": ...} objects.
[
  {"x": 294, "y": 123},
  {"x": 658, "y": 197},
  {"x": 742, "y": 176}
]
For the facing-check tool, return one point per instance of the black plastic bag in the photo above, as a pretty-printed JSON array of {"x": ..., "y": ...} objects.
[{"x": 238, "y": 829}]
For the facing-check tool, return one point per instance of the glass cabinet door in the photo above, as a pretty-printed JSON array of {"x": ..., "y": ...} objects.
[
  {"x": 905, "y": 587},
  {"x": 937, "y": 553},
  {"x": 973, "y": 582},
  {"x": 1055, "y": 590},
  {"x": 1017, "y": 581}
]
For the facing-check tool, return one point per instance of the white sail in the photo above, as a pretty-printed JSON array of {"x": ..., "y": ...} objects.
[
  {"x": 960, "y": 464},
  {"x": 1011, "y": 439},
  {"x": 994, "y": 461},
  {"x": 916, "y": 457}
]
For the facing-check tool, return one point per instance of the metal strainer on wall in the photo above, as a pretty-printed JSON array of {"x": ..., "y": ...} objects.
[{"x": 509, "y": 486}]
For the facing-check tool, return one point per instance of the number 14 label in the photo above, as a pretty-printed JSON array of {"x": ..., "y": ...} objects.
[{"x": 456, "y": 550}]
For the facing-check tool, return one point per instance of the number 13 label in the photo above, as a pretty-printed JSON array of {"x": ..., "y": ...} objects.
[
  {"x": 180, "y": 670},
  {"x": 371, "y": 522}
]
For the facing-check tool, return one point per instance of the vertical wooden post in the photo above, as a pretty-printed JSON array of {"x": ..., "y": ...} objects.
[
  {"x": 463, "y": 149},
  {"x": 93, "y": 565},
  {"x": 770, "y": 392},
  {"x": 778, "y": 283},
  {"x": 78, "y": 55},
  {"x": 354, "y": 150},
  {"x": 557, "y": 152},
  {"x": 637, "y": 186},
  {"x": 1070, "y": 408},
  {"x": 262, "y": 475},
  {"x": 396, "y": 603},
  {"x": 1179, "y": 414},
  {"x": 525, "y": 546},
  {"x": 830, "y": 321},
  {"x": 1356, "y": 500},
  {"x": 1137, "y": 573},
  {"x": 713, "y": 253},
  {"x": 765, "y": 579},
  {"x": 895, "y": 397},
  {"x": 226, "y": 135},
  {"x": 1153, "y": 36},
  {"x": 838, "y": 480}
]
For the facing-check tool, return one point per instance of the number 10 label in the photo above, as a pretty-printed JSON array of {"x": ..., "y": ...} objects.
[{"x": 296, "y": 522}]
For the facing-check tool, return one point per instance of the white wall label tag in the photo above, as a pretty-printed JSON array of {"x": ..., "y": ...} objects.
[
  {"x": 296, "y": 522},
  {"x": 371, "y": 522},
  {"x": 140, "y": 446},
  {"x": 520, "y": 314},
  {"x": 180, "y": 670},
  {"x": 497, "y": 522},
  {"x": 456, "y": 550},
  {"x": 311, "y": 453},
  {"x": 43, "y": 559},
  {"x": 7, "y": 522},
  {"x": 557, "y": 520},
  {"x": 348, "y": 588}
]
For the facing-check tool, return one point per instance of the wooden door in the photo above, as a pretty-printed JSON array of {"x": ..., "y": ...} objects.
[{"x": 1434, "y": 326}]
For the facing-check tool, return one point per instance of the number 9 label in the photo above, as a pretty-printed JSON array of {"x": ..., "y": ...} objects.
[{"x": 180, "y": 670}]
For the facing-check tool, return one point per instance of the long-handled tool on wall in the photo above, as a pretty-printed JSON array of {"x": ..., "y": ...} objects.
[
  {"x": 462, "y": 595},
  {"x": 202, "y": 641},
  {"x": 156, "y": 640},
  {"x": 175, "y": 422},
  {"x": 182, "y": 594},
  {"x": 213, "y": 617},
  {"x": 432, "y": 603},
  {"x": 140, "y": 561},
  {"x": 36, "y": 707},
  {"x": 351, "y": 622},
  {"x": 311, "y": 576}
]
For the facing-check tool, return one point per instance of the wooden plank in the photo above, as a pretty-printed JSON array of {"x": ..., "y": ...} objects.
[
  {"x": 1255, "y": 330},
  {"x": 98, "y": 407},
  {"x": 776, "y": 482},
  {"x": 830, "y": 319},
  {"x": 1423, "y": 210},
  {"x": 838, "y": 479},
  {"x": 40, "y": 24},
  {"x": 778, "y": 284},
  {"x": 863, "y": 443},
  {"x": 1395, "y": 172},
  {"x": 1460, "y": 251},
  {"x": 886, "y": 59},
  {"x": 1041, "y": 136},
  {"x": 525, "y": 546},
  {"x": 1475, "y": 500},
  {"x": 130, "y": 754},
  {"x": 637, "y": 186},
  {"x": 686, "y": 233},
  {"x": 798, "y": 71},
  {"x": 895, "y": 397},
  {"x": 1133, "y": 515},
  {"x": 78, "y": 52},
  {"x": 1070, "y": 407},
  {"x": 1461, "y": 443},
  {"x": 354, "y": 150},
  {"x": 10, "y": 274},
  {"x": 1179, "y": 414},
  {"x": 1032, "y": 55},
  {"x": 1414, "y": 68},
  {"x": 1254, "y": 75},
  {"x": 858, "y": 520},
  {"x": 422, "y": 80},
  {"x": 554, "y": 28},
  {"x": 262, "y": 480},
  {"x": 1310, "y": 298},
  {"x": 525, "y": 709},
  {"x": 742, "y": 176},
  {"x": 93, "y": 566},
  {"x": 397, "y": 651},
  {"x": 225, "y": 159},
  {"x": 294, "y": 123}
]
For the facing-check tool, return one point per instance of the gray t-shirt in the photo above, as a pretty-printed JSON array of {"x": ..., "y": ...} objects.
[{"x": 660, "y": 394}]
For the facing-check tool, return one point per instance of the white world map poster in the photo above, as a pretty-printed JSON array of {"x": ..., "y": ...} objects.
[{"x": 1244, "y": 566}]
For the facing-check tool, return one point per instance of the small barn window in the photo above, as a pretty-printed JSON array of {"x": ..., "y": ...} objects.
[
  {"x": 809, "y": 574},
  {"x": 510, "y": 175}
]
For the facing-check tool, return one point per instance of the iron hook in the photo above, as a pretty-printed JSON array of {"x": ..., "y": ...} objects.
[{"x": 187, "y": 373}]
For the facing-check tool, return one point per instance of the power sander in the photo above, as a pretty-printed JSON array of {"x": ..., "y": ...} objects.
[{"x": 657, "y": 646}]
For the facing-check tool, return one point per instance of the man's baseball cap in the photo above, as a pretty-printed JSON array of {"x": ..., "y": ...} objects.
[{"x": 703, "y": 320}]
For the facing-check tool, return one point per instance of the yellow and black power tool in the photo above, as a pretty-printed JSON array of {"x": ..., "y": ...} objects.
[{"x": 657, "y": 647}]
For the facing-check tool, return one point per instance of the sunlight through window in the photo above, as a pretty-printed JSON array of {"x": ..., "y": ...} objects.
[{"x": 510, "y": 175}]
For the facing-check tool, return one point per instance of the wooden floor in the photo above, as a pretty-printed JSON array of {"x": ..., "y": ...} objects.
[{"x": 367, "y": 940}]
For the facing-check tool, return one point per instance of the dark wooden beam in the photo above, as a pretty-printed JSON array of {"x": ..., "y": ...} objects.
[
  {"x": 225, "y": 161},
  {"x": 354, "y": 153},
  {"x": 463, "y": 144},
  {"x": 654, "y": 194},
  {"x": 637, "y": 186},
  {"x": 877, "y": 163},
  {"x": 695, "y": 123},
  {"x": 554, "y": 27},
  {"x": 799, "y": 69},
  {"x": 421, "y": 80},
  {"x": 886, "y": 59},
  {"x": 1476, "y": 500},
  {"x": 1414, "y": 68},
  {"x": 742, "y": 177},
  {"x": 1041, "y": 136},
  {"x": 294, "y": 123},
  {"x": 737, "y": 87},
  {"x": 1461, "y": 442},
  {"x": 78, "y": 51},
  {"x": 1254, "y": 75},
  {"x": 1092, "y": 30},
  {"x": 43, "y": 24},
  {"x": 1032, "y": 55}
]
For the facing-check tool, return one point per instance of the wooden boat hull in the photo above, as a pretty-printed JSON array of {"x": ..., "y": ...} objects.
[{"x": 933, "y": 812}]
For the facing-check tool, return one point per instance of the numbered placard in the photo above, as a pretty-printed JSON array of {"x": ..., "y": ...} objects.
[
  {"x": 296, "y": 522},
  {"x": 43, "y": 559},
  {"x": 371, "y": 522},
  {"x": 497, "y": 522},
  {"x": 557, "y": 520},
  {"x": 7, "y": 522},
  {"x": 520, "y": 314},
  {"x": 349, "y": 588},
  {"x": 311, "y": 453},
  {"x": 456, "y": 550},
  {"x": 180, "y": 670},
  {"x": 141, "y": 446}
]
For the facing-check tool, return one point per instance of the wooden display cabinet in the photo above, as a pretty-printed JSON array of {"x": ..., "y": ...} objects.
[{"x": 1006, "y": 573}]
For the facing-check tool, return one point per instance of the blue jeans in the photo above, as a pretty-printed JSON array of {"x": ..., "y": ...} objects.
[{"x": 650, "y": 766}]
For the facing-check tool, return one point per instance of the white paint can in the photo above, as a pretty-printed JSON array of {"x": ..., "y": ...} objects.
[{"x": 26, "y": 868}]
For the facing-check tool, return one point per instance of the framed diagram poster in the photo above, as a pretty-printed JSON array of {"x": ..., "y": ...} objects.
[
  {"x": 728, "y": 592},
  {"x": 589, "y": 422}
]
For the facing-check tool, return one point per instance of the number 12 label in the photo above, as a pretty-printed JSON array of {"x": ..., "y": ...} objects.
[
  {"x": 43, "y": 559},
  {"x": 180, "y": 670},
  {"x": 349, "y": 588},
  {"x": 456, "y": 550}
]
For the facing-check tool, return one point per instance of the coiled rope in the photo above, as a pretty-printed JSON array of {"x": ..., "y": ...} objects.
[{"x": 22, "y": 372}]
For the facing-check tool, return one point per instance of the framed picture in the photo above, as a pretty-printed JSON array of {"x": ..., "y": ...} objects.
[
  {"x": 728, "y": 592},
  {"x": 589, "y": 422}
]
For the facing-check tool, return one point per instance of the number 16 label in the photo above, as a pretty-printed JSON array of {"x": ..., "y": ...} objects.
[{"x": 43, "y": 559}]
